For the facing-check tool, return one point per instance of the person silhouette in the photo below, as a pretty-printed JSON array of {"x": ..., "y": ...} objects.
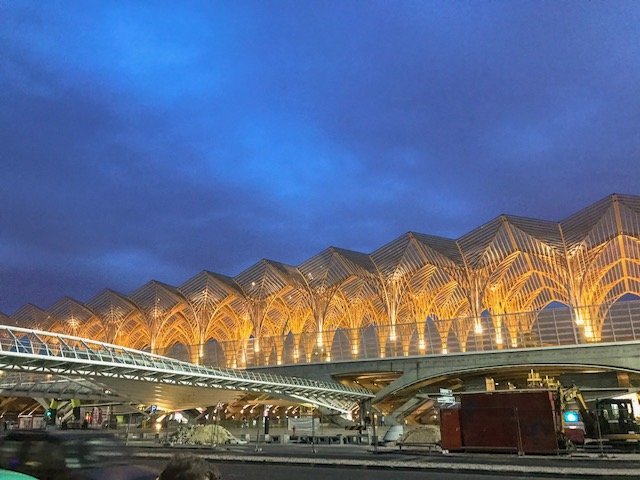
[{"x": 186, "y": 466}]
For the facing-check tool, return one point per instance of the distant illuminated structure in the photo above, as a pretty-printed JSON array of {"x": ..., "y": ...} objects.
[{"x": 418, "y": 294}]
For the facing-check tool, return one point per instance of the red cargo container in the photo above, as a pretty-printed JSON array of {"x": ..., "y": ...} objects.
[
  {"x": 450, "y": 431},
  {"x": 524, "y": 422}
]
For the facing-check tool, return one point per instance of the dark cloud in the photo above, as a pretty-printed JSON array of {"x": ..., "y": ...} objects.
[{"x": 143, "y": 141}]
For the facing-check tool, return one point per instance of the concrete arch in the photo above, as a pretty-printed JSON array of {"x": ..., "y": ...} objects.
[{"x": 615, "y": 356}]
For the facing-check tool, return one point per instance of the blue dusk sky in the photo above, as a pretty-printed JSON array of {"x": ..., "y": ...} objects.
[{"x": 153, "y": 140}]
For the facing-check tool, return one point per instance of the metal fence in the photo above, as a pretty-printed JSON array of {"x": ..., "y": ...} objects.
[{"x": 551, "y": 327}]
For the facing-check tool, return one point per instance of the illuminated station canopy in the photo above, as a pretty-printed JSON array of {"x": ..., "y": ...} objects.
[{"x": 273, "y": 313}]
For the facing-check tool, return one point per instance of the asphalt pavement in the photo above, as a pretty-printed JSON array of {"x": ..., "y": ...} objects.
[
  {"x": 262, "y": 471},
  {"x": 575, "y": 465}
]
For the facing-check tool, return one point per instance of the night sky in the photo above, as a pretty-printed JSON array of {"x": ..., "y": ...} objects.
[{"x": 153, "y": 140}]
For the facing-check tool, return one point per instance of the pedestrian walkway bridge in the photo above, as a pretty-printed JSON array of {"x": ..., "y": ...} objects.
[{"x": 81, "y": 364}]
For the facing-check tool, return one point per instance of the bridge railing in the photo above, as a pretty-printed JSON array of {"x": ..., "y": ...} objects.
[
  {"x": 550, "y": 327},
  {"x": 32, "y": 347}
]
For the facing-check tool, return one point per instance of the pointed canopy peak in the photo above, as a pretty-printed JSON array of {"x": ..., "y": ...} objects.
[
  {"x": 30, "y": 314},
  {"x": 577, "y": 227},
  {"x": 390, "y": 255},
  {"x": 109, "y": 292},
  {"x": 477, "y": 245},
  {"x": 6, "y": 319},
  {"x": 544, "y": 231},
  {"x": 251, "y": 275},
  {"x": 507, "y": 234},
  {"x": 629, "y": 211},
  {"x": 219, "y": 276},
  {"x": 227, "y": 281},
  {"x": 425, "y": 237},
  {"x": 109, "y": 299},
  {"x": 68, "y": 307},
  {"x": 327, "y": 255},
  {"x": 602, "y": 220},
  {"x": 603, "y": 204},
  {"x": 359, "y": 259},
  {"x": 29, "y": 309},
  {"x": 402, "y": 239},
  {"x": 66, "y": 300},
  {"x": 322, "y": 257},
  {"x": 632, "y": 202},
  {"x": 266, "y": 278},
  {"x": 158, "y": 295},
  {"x": 166, "y": 286},
  {"x": 154, "y": 284},
  {"x": 315, "y": 269},
  {"x": 220, "y": 285},
  {"x": 333, "y": 266},
  {"x": 480, "y": 236},
  {"x": 283, "y": 268},
  {"x": 413, "y": 251},
  {"x": 447, "y": 247},
  {"x": 115, "y": 292}
]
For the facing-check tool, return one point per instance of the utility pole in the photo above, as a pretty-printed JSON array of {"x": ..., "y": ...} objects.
[
  {"x": 313, "y": 429},
  {"x": 375, "y": 436}
]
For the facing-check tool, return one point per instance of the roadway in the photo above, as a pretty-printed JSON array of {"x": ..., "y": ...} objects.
[
  {"x": 245, "y": 471},
  {"x": 298, "y": 462}
]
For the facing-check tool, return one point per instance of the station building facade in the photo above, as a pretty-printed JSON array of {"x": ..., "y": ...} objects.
[{"x": 418, "y": 294}]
